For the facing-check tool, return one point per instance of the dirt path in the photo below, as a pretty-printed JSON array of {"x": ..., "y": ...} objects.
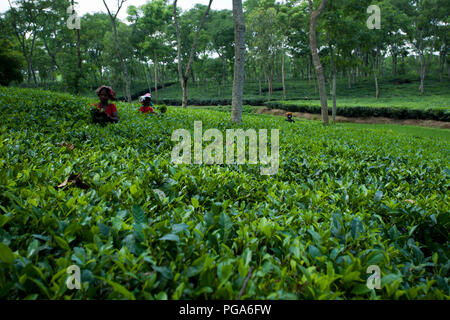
[{"x": 368, "y": 120}]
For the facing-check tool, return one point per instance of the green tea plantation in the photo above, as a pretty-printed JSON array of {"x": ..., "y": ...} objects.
[{"x": 110, "y": 201}]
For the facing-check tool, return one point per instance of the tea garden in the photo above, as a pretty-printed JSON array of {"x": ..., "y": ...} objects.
[{"x": 109, "y": 200}]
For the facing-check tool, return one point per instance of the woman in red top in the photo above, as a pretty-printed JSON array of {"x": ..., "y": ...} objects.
[
  {"x": 109, "y": 110},
  {"x": 146, "y": 100}
]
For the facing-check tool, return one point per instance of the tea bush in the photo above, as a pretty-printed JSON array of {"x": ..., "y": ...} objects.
[
  {"x": 352, "y": 110},
  {"x": 343, "y": 199}
]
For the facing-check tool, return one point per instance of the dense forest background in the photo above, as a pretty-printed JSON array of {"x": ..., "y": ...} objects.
[{"x": 38, "y": 49}]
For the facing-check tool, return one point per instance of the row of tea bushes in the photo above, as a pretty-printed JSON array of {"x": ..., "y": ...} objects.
[{"x": 145, "y": 228}]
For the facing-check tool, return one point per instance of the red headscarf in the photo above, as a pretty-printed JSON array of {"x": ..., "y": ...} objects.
[{"x": 110, "y": 91}]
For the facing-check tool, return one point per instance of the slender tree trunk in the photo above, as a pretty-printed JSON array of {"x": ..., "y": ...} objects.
[
  {"x": 268, "y": 85},
  {"x": 374, "y": 68},
  {"x": 315, "y": 80},
  {"x": 424, "y": 64},
  {"x": 309, "y": 69},
  {"x": 394, "y": 64},
  {"x": 283, "y": 75},
  {"x": 259, "y": 80},
  {"x": 270, "y": 75},
  {"x": 448, "y": 70},
  {"x": 333, "y": 110},
  {"x": 156, "y": 74},
  {"x": 147, "y": 77},
  {"x": 33, "y": 72},
  {"x": 124, "y": 66},
  {"x": 28, "y": 70},
  {"x": 79, "y": 65},
  {"x": 333, "y": 87},
  {"x": 349, "y": 79},
  {"x": 78, "y": 72},
  {"x": 184, "y": 91},
  {"x": 379, "y": 63},
  {"x": 50, "y": 53},
  {"x": 377, "y": 90},
  {"x": 239, "y": 61},
  {"x": 164, "y": 76}
]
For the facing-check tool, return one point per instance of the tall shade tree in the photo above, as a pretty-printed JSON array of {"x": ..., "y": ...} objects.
[
  {"x": 314, "y": 14},
  {"x": 265, "y": 38},
  {"x": 239, "y": 60},
  {"x": 79, "y": 72},
  {"x": 95, "y": 26},
  {"x": 113, "y": 18},
  {"x": 52, "y": 28},
  {"x": 24, "y": 20},
  {"x": 423, "y": 30},
  {"x": 185, "y": 76},
  {"x": 151, "y": 21},
  {"x": 220, "y": 30}
]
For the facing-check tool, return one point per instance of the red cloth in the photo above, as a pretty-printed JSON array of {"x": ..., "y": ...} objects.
[
  {"x": 147, "y": 109},
  {"x": 109, "y": 110}
]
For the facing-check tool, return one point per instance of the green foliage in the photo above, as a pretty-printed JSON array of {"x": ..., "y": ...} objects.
[
  {"x": 11, "y": 63},
  {"x": 352, "y": 110},
  {"x": 343, "y": 199}
]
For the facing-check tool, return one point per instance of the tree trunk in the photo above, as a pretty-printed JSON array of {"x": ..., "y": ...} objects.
[
  {"x": 78, "y": 72},
  {"x": 394, "y": 64},
  {"x": 282, "y": 75},
  {"x": 374, "y": 68},
  {"x": 184, "y": 89},
  {"x": 377, "y": 90},
  {"x": 156, "y": 74},
  {"x": 448, "y": 70},
  {"x": 260, "y": 88},
  {"x": 122, "y": 62},
  {"x": 239, "y": 61},
  {"x": 50, "y": 53},
  {"x": 315, "y": 55},
  {"x": 424, "y": 64},
  {"x": 315, "y": 81},
  {"x": 309, "y": 70},
  {"x": 349, "y": 79},
  {"x": 333, "y": 110},
  {"x": 31, "y": 57},
  {"x": 270, "y": 75},
  {"x": 268, "y": 86},
  {"x": 147, "y": 78},
  {"x": 333, "y": 87},
  {"x": 28, "y": 71}
]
